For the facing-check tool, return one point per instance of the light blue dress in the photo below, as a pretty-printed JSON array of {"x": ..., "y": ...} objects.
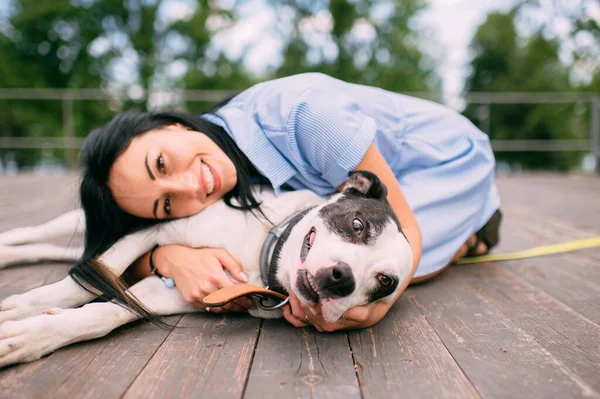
[{"x": 309, "y": 130}]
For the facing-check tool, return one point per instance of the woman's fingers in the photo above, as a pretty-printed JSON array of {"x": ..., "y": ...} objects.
[
  {"x": 231, "y": 265},
  {"x": 358, "y": 313},
  {"x": 297, "y": 315},
  {"x": 293, "y": 320},
  {"x": 296, "y": 307},
  {"x": 245, "y": 302}
]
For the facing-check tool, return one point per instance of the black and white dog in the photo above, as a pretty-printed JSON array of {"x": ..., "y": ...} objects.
[{"x": 347, "y": 251}]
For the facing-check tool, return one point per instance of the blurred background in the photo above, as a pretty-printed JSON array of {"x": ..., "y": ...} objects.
[{"x": 526, "y": 72}]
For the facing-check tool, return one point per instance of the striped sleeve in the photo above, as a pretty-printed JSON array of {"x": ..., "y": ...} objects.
[{"x": 330, "y": 133}]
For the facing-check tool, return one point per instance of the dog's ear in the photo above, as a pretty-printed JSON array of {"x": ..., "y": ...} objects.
[{"x": 365, "y": 184}]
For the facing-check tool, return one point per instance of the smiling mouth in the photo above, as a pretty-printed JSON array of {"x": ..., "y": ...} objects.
[
  {"x": 210, "y": 179},
  {"x": 306, "y": 286}
]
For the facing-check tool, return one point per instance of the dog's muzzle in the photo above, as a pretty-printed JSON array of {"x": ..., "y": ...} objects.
[{"x": 328, "y": 283}]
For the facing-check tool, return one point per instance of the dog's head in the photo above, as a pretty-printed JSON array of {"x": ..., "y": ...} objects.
[{"x": 348, "y": 251}]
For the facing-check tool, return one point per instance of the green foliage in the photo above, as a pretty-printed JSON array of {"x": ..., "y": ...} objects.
[
  {"x": 389, "y": 58},
  {"x": 48, "y": 44},
  {"x": 505, "y": 62}
]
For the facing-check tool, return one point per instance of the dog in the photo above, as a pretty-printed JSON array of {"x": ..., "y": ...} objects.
[{"x": 334, "y": 254}]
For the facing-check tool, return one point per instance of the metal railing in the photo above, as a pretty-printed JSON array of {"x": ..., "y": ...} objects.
[{"x": 70, "y": 143}]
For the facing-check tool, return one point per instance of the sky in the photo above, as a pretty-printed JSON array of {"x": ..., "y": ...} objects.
[{"x": 454, "y": 23}]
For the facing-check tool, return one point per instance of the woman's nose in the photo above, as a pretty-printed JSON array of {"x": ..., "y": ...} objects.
[{"x": 187, "y": 184}]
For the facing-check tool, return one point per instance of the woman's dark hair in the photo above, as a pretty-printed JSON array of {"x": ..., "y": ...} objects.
[{"x": 106, "y": 222}]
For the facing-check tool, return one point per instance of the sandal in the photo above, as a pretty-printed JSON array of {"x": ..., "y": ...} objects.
[{"x": 489, "y": 234}]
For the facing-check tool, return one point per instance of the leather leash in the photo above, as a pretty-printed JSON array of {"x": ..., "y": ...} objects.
[{"x": 225, "y": 295}]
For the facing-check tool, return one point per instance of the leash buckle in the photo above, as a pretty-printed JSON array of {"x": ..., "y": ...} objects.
[{"x": 261, "y": 299}]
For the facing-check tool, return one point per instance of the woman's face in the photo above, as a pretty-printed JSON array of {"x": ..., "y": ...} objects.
[{"x": 170, "y": 172}]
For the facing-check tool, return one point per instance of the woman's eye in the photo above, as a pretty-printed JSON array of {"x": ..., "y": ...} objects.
[
  {"x": 160, "y": 164},
  {"x": 384, "y": 280},
  {"x": 167, "y": 206},
  {"x": 357, "y": 226}
]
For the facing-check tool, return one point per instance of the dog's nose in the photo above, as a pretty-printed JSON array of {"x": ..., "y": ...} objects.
[{"x": 336, "y": 281}]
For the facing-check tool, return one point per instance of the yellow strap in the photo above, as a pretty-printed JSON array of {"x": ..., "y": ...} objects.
[{"x": 562, "y": 247}]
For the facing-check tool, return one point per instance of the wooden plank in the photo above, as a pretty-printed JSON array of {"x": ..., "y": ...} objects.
[
  {"x": 566, "y": 197},
  {"x": 120, "y": 361},
  {"x": 499, "y": 358},
  {"x": 544, "y": 229},
  {"x": 102, "y": 368},
  {"x": 570, "y": 278},
  {"x": 32, "y": 199},
  {"x": 572, "y": 339},
  {"x": 20, "y": 279},
  {"x": 302, "y": 363},
  {"x": 207, "y": 355},
  {"x": 404, "y": 354}
]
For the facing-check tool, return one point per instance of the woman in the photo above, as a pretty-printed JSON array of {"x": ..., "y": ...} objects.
[{"x": 301, "y": 132}]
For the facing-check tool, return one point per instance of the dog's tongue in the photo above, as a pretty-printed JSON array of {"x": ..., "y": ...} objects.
[{"x": 301, "y": 266}]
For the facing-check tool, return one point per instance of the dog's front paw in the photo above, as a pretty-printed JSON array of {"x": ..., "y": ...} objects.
[
  {"x": 30, "y": 339},
  {"x": 18, "y": 307}
]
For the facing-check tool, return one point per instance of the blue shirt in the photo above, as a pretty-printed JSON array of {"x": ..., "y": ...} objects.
[{"x": 307, "y": 131}]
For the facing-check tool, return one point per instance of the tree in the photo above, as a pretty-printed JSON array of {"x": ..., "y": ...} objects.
[
  {"x": 369, "y": 42},
  {"x": 82, "y": 44},
  {"x": 501, "y": 63}
]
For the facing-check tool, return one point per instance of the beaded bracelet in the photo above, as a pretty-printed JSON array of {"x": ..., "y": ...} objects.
[{"x": 168, "y": 281}]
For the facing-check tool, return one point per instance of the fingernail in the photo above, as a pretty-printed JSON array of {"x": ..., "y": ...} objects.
[{"x": 244, "y": 277}]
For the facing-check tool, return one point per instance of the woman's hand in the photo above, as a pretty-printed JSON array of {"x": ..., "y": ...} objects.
[
  {"x": 356, "y": 317},
  {"x": 200, "y": 272}
]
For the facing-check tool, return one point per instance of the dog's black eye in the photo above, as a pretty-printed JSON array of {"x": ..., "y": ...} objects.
[
  {"x": 384, "y": 280},
  {"x": 307, "y": 240},
  {"x": 357, "y": 226}
]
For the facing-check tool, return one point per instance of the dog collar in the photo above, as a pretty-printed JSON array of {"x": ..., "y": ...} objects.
[
  {"x": 228, "y": 294},
  {"x": 267, "y": 247}
]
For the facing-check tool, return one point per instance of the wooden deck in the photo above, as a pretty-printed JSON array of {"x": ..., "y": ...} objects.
[{"x": 528, "y": 328}]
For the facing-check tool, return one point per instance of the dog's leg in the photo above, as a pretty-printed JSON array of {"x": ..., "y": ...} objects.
[
  {"x": 128, "y": 249},
  {"x": 32, "y": 253},
  {"x": 30, "y": 339},
  {"x": 66, "y": 225},
  {"x": 64, "y": 294}
]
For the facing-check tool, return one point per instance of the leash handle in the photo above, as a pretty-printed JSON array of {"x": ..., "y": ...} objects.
[{"x": 228, "y": 294}]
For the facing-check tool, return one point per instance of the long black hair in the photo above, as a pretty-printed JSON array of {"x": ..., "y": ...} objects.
[{"x": 106, "y": 222}]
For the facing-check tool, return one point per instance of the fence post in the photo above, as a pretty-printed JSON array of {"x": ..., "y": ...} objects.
[
  {"x": 595, "y": 130},
  {"x": 484, "y": 116},
  {"x": 69, "y": 130}
]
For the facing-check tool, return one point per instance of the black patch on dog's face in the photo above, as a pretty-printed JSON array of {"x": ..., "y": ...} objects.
[
  {"x": 381, "y": 291},
  {"x": 374, "y": 215}
]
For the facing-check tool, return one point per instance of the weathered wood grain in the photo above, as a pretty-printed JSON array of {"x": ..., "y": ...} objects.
[
  {"x": 102, "y": 368},
  {"x": 573, "y": 279},
  {"x": 566, "y": 197},
  {"x": 499, "y": 357},
  {"x": 403, "y": 356},
  {"x": 207, "y": 355},
  {"x": 571, "y": 339},
  {"x": 524, "y": 328},
  {"x": 301, "y": 363}
]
